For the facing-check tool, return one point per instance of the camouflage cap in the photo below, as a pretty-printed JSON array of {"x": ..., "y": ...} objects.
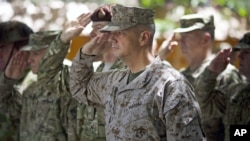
[
  {"x": 40, "y": 40},
  {"x": 126, "y": 17},
  {"x": 244, "y": 43},
  {"x": 193, "y": 22}
]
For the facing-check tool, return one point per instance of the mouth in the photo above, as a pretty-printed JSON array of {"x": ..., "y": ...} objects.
[{"x": 114, "y": 46}]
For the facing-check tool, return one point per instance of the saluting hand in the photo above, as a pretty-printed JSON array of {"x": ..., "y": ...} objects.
[
  {"x": 96, "y": 45},
  {"x": 17, "y": 65},
  {"x": 167, "y": 46},
  {"x": 75, "y": 28},
  {"x": 220, "y": 62}
]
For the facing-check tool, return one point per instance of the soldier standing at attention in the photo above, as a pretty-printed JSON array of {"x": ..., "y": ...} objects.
[
  {"x": 48, "y": 112},
  {"x": 147, "y": 101},
  {"x": 196, "y": 42},
  {"x": 13, "y": 36},
  {"x": 236, "y": 97}
]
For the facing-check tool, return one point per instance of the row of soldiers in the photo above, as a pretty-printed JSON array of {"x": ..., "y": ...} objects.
[{"x": 135, "y": 93}]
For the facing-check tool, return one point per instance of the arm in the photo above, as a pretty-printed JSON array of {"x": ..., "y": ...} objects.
[
  {"x": 53, "y": 60},
  {"x": 167, "y": 46},
  {"x": 181, "y": 112},
  {"x": 82, "y": 71},
  {"x": 206, "y": 82}
]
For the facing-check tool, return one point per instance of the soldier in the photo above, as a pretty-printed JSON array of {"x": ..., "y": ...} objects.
[
  {"x": 48, "y": 112},
  {"x": 91, "y": 123},
  {"x": 13, "y": 36},
  {"x": 196, "y": 42},
  {"x": 236, "y": 95},
  {"x": 148, "y": 101}
]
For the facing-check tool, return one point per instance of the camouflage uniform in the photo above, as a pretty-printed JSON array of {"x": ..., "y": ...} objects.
[
  {"x": 17, "y": 34},
  {"x": 10, "y": 109},
  {"x": 159, "y": 104},
  {"x": 212, "y": 122},
  {"x": 232, "y": 102},
  {"x": 90, "y": 120},
  {"x": 48, "y": 112}
]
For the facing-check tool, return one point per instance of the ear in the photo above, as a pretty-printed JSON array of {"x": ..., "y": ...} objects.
[
  {"x": 207, "y": 38},
  {"x": 144, "y": 38}
]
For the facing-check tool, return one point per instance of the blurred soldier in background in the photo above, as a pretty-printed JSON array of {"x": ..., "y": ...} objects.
[
  {"x": 13, "y": 36},
  {"x": 196, "y": 34},
  {"x": 48, "y": 112},
  {"x": 233, "y": 101}
]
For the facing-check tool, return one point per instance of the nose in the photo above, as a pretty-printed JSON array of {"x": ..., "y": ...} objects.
[
  {"x": 111, "y": 37},
  {"x": 30, "y": 58},
  {"x": 92, "y": 34}
]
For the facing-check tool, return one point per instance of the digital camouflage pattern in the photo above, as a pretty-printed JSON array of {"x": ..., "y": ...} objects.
[
  {"x": 193, "y": 22},
  {"x": 231, "y": 102},
  {"x": 49, "y": 112},
  {"x": 127, "y": 17},
  {"x": 159, "y": 104},
  {"x": 117, "y": 65},
  {"x": 40, "y": 40},
  {"x": 91, "y": 120},
  {"x": 10, "y": 109},
  {"x": 212, "y": 121}
]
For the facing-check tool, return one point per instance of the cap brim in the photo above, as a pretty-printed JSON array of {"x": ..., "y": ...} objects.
[
  {"x": 32, "y": 48},
  {"x": 191, "y": 28},
  {"x": 26, "y": 48},
  {"x": 240, "y": 46},
  {"x": 111, "y": 27}
]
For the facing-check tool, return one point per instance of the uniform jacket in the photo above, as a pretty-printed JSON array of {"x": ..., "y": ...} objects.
[{"x": 159, "y": 104}]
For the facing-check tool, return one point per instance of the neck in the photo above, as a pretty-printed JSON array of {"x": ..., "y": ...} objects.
[
  {"x": 197, "y": 60},
  {"x": 109, "y": 58},
  {"x": 138, "y": 61}
]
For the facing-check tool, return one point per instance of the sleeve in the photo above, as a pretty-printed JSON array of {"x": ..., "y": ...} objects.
[
  {"x": 181, "y": 112},
  {"x": 52, "y": 62},
  {"x": 85, "y": 85},
  {"x": 68, "y": 107},
  {"x": 54, "y": 73},
  {"x": 10, "y": 100}
]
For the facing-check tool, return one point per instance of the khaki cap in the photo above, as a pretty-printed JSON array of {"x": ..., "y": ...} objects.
[
  {"x": 193, "y": 22},
  {"x": 40, "y": 40},
  {"x": 126, "y": 17}
]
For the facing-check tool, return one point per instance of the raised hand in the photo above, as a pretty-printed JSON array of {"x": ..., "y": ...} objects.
[
  {"x": 96, "y": 45},
  {"x": 167, "y": 46},
  {"x": 17, "y": 65},
  {"x": 220, "y": 62},
  {"x": 75, "y": 28}
]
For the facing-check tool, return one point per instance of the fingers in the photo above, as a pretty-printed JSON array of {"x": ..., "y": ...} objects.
[{"x": 84, "y": 19}]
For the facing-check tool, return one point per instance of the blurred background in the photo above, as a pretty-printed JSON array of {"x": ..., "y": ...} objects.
[{"x": 231, "y": 18}]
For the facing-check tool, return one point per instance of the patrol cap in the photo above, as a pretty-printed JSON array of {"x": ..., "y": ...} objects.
[
  {"x": 102, "y": 13},
  {"x": 244, "y": 43},
  {"x": 126, "y": 17},
  {"x": 13, "y": 31},
  {"x": 193, "y": 22},
  {"x": 40, "y": 40}
]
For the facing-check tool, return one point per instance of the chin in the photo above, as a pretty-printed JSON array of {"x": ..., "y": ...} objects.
[{"x": 34, "y": 71}]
